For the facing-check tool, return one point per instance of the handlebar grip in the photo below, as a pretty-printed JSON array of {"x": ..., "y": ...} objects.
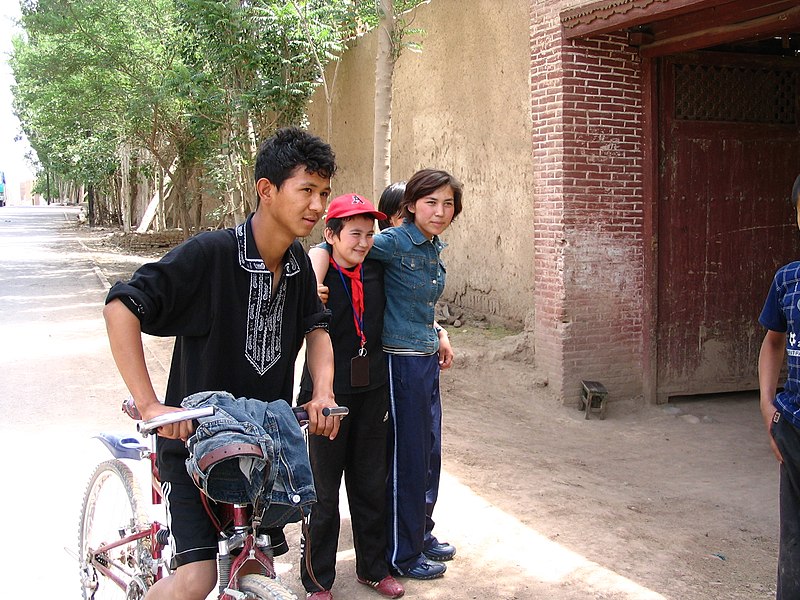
[
  {"x": 148, "y": 427},
  {"x": 302, "y": 416}
]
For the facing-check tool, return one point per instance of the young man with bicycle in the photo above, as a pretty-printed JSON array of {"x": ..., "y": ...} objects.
[{"x": 240, "y": 303}]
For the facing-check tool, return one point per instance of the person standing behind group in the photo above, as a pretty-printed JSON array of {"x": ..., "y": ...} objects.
[
  {"x": 356, "y": 300},
  {"x": 417, "y": 348},
  {"x": 781, "y": 410},
  {"x": 389, "y": 205}
]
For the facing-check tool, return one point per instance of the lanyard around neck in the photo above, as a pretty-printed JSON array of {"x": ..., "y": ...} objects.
[{"x": 358, "y": 319}]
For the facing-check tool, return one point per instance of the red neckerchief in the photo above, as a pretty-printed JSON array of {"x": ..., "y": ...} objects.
[{"x": 357, "y": 298}]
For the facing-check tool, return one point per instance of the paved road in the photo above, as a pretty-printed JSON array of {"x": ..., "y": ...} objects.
[{"x": 58, "y": 388}]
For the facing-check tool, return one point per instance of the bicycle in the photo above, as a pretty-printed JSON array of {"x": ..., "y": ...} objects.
[{"x": 121, "y": 550}]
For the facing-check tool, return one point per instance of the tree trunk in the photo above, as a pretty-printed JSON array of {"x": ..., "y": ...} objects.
[
  {"x": 238, "y": 166},
  {"x": 90, "y": 198},
  {"x": 156, "y": 205},
  {"x": 384, "y": 73},
  {"x": 160, "y": 219},
  {"x": 125, "y": 191}
]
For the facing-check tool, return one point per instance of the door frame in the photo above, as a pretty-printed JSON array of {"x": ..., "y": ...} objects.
[
  {"x": 650, "y": 192},
  {"x": 653, "y": 155}
]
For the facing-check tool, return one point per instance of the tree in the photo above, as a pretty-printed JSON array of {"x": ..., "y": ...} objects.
[
  {"x": 384, "y": 79},
  {"x": 341, "y": 22},
  {"x": 392, "y": 31},
  {"x": 253, "y": 72},
  {"x": 333, "y": 23},
  {"x": 88, "y": 76},
  {"x": 174, "y": 95}
]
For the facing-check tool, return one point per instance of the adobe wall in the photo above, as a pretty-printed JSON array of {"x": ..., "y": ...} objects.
[
  {"x": 546, "y": 135},
  {"x": 588, "y": 223},
  {"x": 463, "y": 105}
]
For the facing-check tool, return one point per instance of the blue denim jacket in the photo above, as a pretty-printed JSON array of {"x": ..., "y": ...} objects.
[
  {"x": 282, "y": 479},
  {"x": 414, "y": 276}
]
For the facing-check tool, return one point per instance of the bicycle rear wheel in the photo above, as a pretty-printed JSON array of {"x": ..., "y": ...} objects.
[
  {"x": 264, "y": 588},
  {"x": 113, "y": 509}
]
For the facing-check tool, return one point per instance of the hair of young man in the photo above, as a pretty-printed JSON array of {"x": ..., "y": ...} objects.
[
  {"x": 336, "y": 224},
  {"x": 389, "y": 203},
  {"x": 290, "y": 147},
  {"x": 425, "y": 182},
  {"x": 796, "y": 192}
]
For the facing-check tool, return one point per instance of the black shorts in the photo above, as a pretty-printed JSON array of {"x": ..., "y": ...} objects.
[{"x": 193, "y": 535}]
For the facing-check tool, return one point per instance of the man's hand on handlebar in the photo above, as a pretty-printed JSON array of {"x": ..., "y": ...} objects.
[
  {"x": 318, "y": 423},
  {"x": 174, "y": 431}
]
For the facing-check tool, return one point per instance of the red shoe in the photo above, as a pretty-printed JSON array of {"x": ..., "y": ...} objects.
[
  {"x": 388, "y": 586},
  {"x": 323, "y": 595}
]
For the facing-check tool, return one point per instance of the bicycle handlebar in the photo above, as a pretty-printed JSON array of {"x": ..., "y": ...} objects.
[
  {"x": 328, "y": 411},
  {"x": 148, "y": 427}
]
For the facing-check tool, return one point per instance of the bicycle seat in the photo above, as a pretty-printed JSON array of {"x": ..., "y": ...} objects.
[{"x": 123, "y": 447}]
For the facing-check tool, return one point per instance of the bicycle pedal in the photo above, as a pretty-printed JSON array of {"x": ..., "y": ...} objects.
[{"x": 162, "y": 536}]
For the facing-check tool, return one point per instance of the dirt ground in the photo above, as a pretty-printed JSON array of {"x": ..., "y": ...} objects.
[{"x": 676, "y": 501}]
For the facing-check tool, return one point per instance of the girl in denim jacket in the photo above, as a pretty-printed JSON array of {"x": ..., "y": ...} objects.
[{"x": 417, "y": 348}]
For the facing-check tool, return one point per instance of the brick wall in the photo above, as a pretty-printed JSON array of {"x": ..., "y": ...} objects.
[
  {"x": 546, "y": 76},
  {"x": 587, "y": 152},
  {"x": 571, "y": 166}
]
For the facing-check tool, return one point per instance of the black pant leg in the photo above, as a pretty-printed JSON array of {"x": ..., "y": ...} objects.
[
  {"x": 327, "y": 465},
  {"x": 787, "y": 437},
  {"x": 365, "y": 478}
]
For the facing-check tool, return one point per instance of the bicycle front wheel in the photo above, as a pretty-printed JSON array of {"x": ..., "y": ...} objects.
[
  {"x": 113, "y": 509},
  {"x": 264, "y": 588}
]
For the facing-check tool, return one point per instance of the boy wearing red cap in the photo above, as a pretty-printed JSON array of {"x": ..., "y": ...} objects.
[{"x": 356, "y": 300}]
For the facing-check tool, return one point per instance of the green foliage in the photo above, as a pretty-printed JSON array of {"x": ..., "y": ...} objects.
[
  {"x": 191, "y": 85},
  {"x": 368, "y": 14},
  {"x": 87, "y": 77}
]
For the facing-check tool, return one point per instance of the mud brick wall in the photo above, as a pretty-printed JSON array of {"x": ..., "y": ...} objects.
[
  {"x": 541, "y": 130},
  {"x": 462, "y": 105},
  {"x": 588, "y": 225},
  {"x": 142, "y": 242}
]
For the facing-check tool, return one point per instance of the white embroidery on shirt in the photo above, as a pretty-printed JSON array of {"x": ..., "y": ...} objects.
[
  {"x": 264, "y": 322},
  {"x": 264, "y": 314}
]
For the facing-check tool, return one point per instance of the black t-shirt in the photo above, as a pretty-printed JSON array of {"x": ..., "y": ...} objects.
[
  {"x": 214, "y": 294},
  {"x": 344, "y": 338}
]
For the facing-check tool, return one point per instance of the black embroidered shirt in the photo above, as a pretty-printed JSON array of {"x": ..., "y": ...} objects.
[{"x": 213, "y": 293}]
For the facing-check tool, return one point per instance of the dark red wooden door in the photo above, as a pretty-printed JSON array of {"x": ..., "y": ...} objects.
[{"x": 730, "y": 151}]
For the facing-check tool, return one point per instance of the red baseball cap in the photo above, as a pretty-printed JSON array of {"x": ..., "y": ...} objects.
[{"x": 349, "y": 205}]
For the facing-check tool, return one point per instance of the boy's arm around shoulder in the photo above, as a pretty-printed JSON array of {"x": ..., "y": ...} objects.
[
  {"x": 770, "y": 361},
  {"x": 383, "y": 245},
  {"x": 320, "y": 261}
]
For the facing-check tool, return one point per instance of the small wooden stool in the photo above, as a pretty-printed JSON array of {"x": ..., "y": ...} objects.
[{"x": 594, "y": 396}]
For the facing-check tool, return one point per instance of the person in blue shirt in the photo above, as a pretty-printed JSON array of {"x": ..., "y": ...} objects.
[
  {"x": 417, "y": 349},
  {"x": 781, "y": 410}
]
